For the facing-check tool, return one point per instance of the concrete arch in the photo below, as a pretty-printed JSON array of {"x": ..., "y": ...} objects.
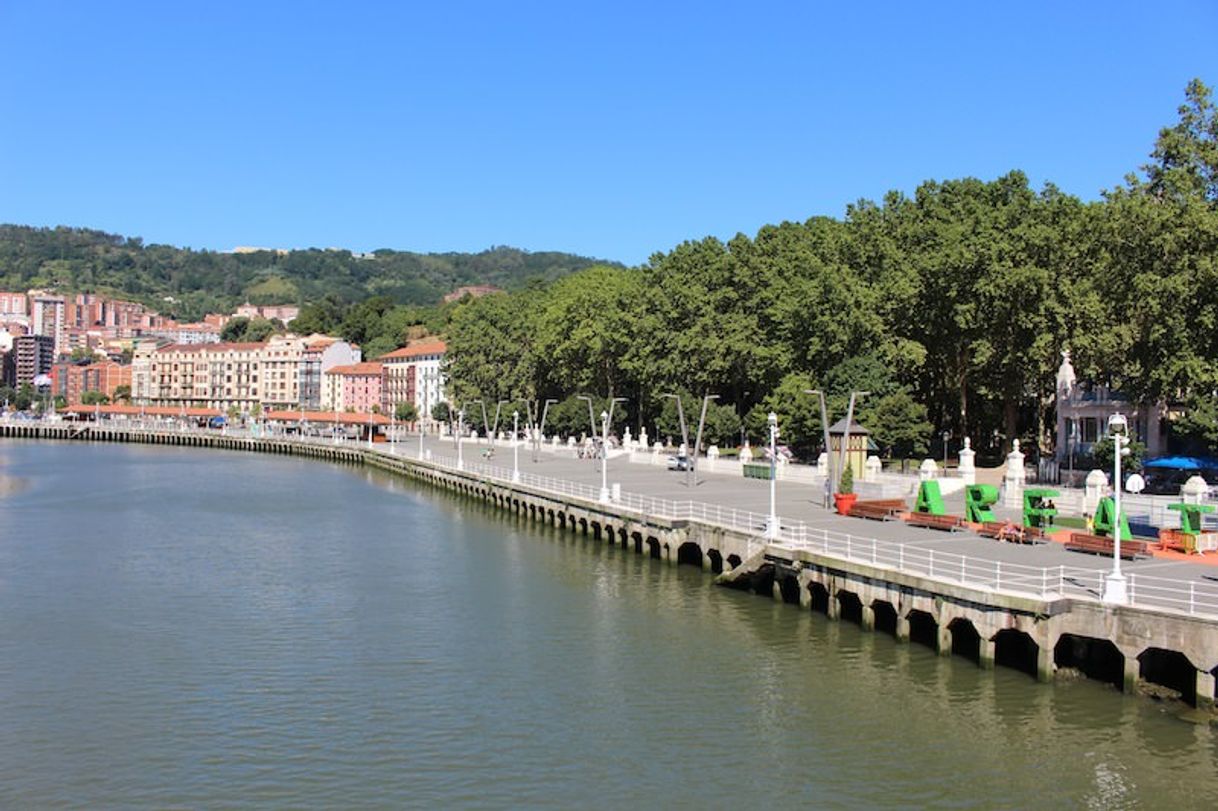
[
  {"x": 819, "y": 594},
  {"x": 690, "y": 554},
  {"x": 1170, "y": 669},
  {"x": 653, "y": 549},
  {"x": 1018, "y": 650},
  {"x": 1097, "y": 659},
  {"x": 786, "y": 587},
  {"x": 622, "y": 536},
  {"x": 885, "y": 616},
  {"x": 966, "y": 640},
  {"x": 849, "y": 606},
  {"x": 596, "y": 530},
  {"x": 734, "y": 560},
  {"x": 923, "y": 629},
  {"x": 716, "y": 560},
  {"x": 583, "y": 526},
  {"x": 636, "y": 542}
]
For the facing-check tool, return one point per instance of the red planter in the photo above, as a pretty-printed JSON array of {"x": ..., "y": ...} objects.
[{"x": 844, "y": 501}]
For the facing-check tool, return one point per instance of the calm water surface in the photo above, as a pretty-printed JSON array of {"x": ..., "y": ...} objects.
[{"x": 200, "y": 628}]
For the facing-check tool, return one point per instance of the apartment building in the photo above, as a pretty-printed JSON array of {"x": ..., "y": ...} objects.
[
  {"x": 48, "y": 317},
  {"x": 72, "y": 380},
  {"x": 270, "y": 375},
  {"x": 414, "y": 374},
  {"x": 32, "y": 355},
  {"x": 356, "y": 388},
  {"x": 322, "y": 353}
]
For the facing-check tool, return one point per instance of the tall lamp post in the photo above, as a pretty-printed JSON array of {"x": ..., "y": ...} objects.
[
  {"x": 591, "y": 418},
  {"x": 771, "y": 524},
  {"x": 460, "y": 431},
  {"x": 515, "y": 445},
  {"x": 1115, "y": 590},
  {"x": 846, "y": 435},
  {"x": 947, "y": 435},
  {"x": 830, "y": 481},
  {"x": 606, "y": 418}
]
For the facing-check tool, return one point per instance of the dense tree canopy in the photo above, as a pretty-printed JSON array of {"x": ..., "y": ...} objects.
[{"x": 950, "y": 307}]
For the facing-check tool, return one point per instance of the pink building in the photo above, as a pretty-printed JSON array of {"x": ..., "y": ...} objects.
[{"x": 355, "y": 387}]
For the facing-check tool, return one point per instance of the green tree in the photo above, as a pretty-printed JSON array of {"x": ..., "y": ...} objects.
[
  {"x": 441, "y": 412},
  {"x": 122, "y": 394},
  {"x": 234, "y": 329},
  {"x": 1185, "y": 158},
  {"x": 93, "y": 397},
  {"x": 405, "y": 412}
]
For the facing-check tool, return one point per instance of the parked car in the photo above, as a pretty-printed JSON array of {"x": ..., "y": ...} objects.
[{"x": 680, "y": 462}]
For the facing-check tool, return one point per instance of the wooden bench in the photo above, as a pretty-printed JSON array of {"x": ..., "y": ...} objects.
[
  {"x": 950, "y": 523},
  {"x": 1002, "y": 531},
  {"x": 1100, "y": 545},
  {"x": 880, "y": 509}
]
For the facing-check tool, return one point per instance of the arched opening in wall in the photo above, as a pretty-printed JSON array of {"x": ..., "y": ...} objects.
[
  {"x": 1096, "y": 659},
  {"x": 849, "y": 607},
  {"x": 571, "y": 523},
  {"x": 1017, "y": 650},
  {"x": 716, "y": 560},
  {"x": 788, "y": 587},
  {"x": 1170, "y": 669},
  {"x": 596, "y": 530},
  {"x": 653, "y": 548},
  {"x": 923, "y": 629},
  {"x": 820, "y": 597},
  {"x": 966, "y": 641},
  {"x": 583, "y": 525},
  {"x": 636, "y": 540},
  {"x": 762, "y": 581},
  {"x": 562, "y": 520},
  {"x": 885, "y": 616},
  {"x": 622, "y": 535},
  {"x": 690, "y": 554}
]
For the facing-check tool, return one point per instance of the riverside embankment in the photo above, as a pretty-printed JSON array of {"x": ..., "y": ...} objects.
[{"x": 994, "y": 609}]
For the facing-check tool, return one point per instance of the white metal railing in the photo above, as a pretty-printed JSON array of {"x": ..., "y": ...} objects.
[{"x": 1193, "y": 598}]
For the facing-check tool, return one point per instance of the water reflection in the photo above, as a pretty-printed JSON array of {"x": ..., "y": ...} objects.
[{"x": 260, "y": 630}]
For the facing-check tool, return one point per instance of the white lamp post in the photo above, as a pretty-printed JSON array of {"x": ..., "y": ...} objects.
[
  {"x": 771, "y": 524},
  {"x": 604, "y": 457},
  {"x": 460, "y": 431},
  {"x": 516, "y": 445},
  {"x": 422, "y": 428},
  {"x": 1115, "y": 590}
]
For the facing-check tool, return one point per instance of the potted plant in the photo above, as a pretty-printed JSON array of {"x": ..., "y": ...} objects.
[{"x": 845, "y": 496}]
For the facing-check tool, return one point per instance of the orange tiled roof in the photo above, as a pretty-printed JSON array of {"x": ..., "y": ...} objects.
[
  {"x": 341, "y": 417},
  {"x": 234, "y": 347},
  {"x": 366, "y": 368},
  {"x": 135, "y": 411},
  {"x": 429, "y": 347}
]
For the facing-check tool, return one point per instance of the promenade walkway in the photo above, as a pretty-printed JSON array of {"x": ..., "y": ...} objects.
[{"x": 1177, "y": 585}]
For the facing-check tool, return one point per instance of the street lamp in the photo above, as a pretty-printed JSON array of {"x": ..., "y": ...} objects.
[
  {"x": 515, "y": 445},
  {"x": 947, "y": 435},
  {"x": 539, "y": 430},
  {"x": 830, "y": 481},
  {"x": 460, "y": 431},
  {"x": 846, "y": 433},
  {"x": 771, "y": 524},
  {"x": 606, "y": 418},
  {"x": 1114, "y": 584},
  {"x": 591, "y": 419}
]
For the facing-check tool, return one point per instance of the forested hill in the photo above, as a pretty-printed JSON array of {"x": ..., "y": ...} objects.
[{"x": 83, "y": 260}]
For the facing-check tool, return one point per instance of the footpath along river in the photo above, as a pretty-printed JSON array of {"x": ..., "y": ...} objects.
[{"x": 197, "y": 628}]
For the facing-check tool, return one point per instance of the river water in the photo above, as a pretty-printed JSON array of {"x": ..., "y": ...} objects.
[{"x": 198, "y": 628}]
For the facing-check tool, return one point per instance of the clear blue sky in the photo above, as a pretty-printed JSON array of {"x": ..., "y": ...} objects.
[{"x": 610, "y": 129}]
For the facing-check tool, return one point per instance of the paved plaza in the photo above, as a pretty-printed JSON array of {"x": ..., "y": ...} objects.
[{"x": 801, "y": 502}]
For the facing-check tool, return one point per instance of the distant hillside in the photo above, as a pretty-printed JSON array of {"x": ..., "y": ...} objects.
[{"x": 83, "y": 260}]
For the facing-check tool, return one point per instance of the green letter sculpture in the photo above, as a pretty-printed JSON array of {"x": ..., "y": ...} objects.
[
  {"x": 929, "y": 499},
  {"x": 978, "y": 498}
]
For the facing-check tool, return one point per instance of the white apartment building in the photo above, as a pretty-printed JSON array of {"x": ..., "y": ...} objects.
[{"x": 414, "y": 374}]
